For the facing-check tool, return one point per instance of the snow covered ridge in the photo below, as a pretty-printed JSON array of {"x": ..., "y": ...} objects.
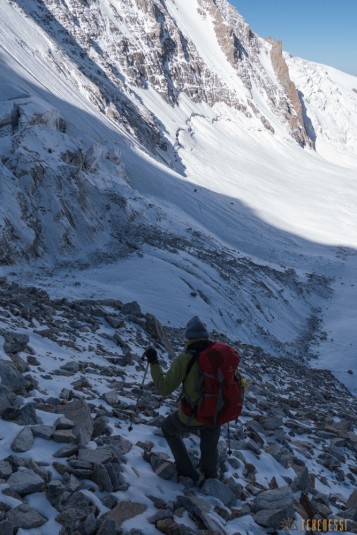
[
  {"x": 330, "y": 99},
  {"x": 70, "y": 375}
]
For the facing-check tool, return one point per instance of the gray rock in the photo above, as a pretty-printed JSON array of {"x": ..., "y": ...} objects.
[
  {"x": 6, "y": 528},
  {"x": 107, "y": 527},
  {"x": 23, "y": 441},
  {"x": 42, "y": 431},
  {"x": 5, "y": 470},
  {"x": 114, "y": 321},
  {"x": 146, "y": 446},
  {"x": 63, "y": 423},
  {"x": 27, "y": 416},
  {"x": 79, "y": 413},
  {"x": 100, "y": 427},
  {"x": 101, "y": 455},
  {"x": 121, "y": 444},
  {"x": 109, "y": 501},
  {"x": 111, "y": 397},
  {"x": 10, "y": 377},
  {"x": 273, "y": 518},
  {"x": 274, "y": 499},
  {"x": 249, "y": 444},
  {"x": 7, "y": 397},
  {"x": 89, "y": 526},
  {"x": 25, "y": 517},
  {"x": 338, "y": 442},
  {"x": 352, "y": 500},
  {"x": 235, "y": 487},
  {"x": 214, "y": 487},
  {"x": 20, "y": 364},
  {"x": 75, "y": 511},
  {"x": 116, "y": 477},
  {"x": 199, "y": 507},
  {"x": 66, "y": 436},
  {"x": 14, "y": 342},
  {"x": 56, "y": 493},
  {"x": 160, "y": 515},
  {"x": 131, "y": 308},
  {"x": 122, "y": 512},
  {"x": 66, "y": 451},
  {"x": 270, "y": 423},
  {"x": 169, "y": 525},
  {"x": 163, "y": 468},
  {"x": 78, "y": 464},
  {"x": 72, "y": 366},
  {"x": 302, "y": 481},
  {"x": 338, "y": 453},
  {"x": 72, "y": 483},
  {"x": 25, "y": 482},
  {"x": 102, "y": 478}
]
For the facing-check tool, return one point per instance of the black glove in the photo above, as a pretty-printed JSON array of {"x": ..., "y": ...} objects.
[{"x": 151, "y": 355}]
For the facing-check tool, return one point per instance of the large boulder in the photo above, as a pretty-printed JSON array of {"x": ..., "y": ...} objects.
[
  {"x": 79, "y": 412},
  {"x": 7, "y": 397},
  {"x": 23, "y": 441},
  {"x": 214, "y": 487},
  {"x": 273, "y": 507},
  {"x": 117, "y": 516},
  {"x": 10, "y": 377},
  {"x": 25, "y": 517},
  {"x": 25, "y": 482},
  {"x": 272, "y": 499},
  {"x": 14, "y": 342}
]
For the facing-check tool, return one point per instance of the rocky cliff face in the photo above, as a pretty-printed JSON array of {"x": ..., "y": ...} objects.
[
  {"x": 292, "y": 105},
  {"x": 140, "y": 44},
  {"x": 243, "y": 49}
]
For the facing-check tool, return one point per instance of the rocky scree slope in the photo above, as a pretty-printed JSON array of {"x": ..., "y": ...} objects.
[{"x": 70, "y": 375}]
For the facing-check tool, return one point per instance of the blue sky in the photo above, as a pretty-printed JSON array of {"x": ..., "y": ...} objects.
[{"x": 324, "y": 31}]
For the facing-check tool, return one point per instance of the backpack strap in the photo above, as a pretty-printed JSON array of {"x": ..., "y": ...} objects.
[
  {"x": 194, "y": 356},
  {"x": 195, "y": 352},
  {"x": 220, "y": 402}
]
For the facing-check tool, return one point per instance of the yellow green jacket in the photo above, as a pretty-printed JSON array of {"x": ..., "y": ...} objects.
[{"x": 172, "y": 379}]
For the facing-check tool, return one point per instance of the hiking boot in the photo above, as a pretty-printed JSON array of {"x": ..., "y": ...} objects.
[
  {"x": 181, "y": 478},
  {"x": 203, "y": 477}
]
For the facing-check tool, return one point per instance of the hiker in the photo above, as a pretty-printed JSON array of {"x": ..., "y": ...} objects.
[{"x": 185, "y": 370}]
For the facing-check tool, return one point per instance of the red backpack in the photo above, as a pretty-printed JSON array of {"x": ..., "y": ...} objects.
[{"x": 222, "y": 391}]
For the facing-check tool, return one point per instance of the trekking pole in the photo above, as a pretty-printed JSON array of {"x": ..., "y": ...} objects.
[
  {"x": 229, "y": 440},
  {"x": 139, "y": 396}
]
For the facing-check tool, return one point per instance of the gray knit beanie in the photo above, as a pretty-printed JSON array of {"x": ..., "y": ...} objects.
[{"x": 195, "y": 328}]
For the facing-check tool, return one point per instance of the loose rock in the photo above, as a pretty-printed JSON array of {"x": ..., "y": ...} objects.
[{"x": 25, "y": 482}]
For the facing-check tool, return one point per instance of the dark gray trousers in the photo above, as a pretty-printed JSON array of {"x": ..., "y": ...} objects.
[{"x": 172, "y": 429}]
